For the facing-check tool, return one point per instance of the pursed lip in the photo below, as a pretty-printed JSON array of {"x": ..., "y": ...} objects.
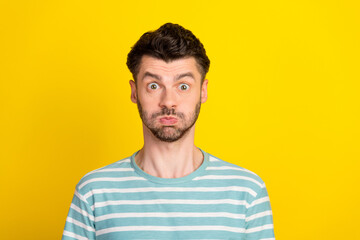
[{"x": 168, "y": 120}]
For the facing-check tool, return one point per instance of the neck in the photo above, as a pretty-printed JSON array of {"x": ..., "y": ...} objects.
[{"x": 169, "y": 160}]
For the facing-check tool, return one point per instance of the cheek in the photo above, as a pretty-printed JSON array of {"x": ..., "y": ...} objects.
[
  {"x": 149, "y": 107},
  {"x": 148, "y": 100},
  {"x": 188, "y": 105}
]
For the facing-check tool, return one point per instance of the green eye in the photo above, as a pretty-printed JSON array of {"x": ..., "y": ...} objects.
[
  {"x": 184, "y": 87},
  {"x": 153, "y": 86}
]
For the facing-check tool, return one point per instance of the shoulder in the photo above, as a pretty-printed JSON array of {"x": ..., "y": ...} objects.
[
  {"x": 218, "y": 165},
  {"x": 113, "y": 171},
  {"x": 223, "y": 170},
  {"x": 118, "y": 166}
]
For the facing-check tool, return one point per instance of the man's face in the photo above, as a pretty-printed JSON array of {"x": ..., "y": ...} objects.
[{"x": 169, "y": 96}]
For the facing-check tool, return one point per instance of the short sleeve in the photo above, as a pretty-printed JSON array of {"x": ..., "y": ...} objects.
[
  {"x": 80, "y": 220},
  {"x": 259, "y": 220}
]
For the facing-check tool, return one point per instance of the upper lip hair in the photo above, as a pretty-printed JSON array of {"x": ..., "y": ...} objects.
[{"x": 168, "y": 117}]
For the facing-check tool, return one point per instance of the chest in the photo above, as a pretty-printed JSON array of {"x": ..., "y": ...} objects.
[{"x": 170, "y": 215}]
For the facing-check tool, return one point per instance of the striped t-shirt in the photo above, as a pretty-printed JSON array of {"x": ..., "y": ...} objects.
[{"x": 217, "y": 201}]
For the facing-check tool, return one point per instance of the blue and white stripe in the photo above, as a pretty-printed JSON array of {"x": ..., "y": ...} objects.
[{"x": 217, "y": 201}]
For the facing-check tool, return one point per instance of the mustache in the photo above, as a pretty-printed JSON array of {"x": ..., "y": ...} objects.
[{"x": 167, "y": 112}]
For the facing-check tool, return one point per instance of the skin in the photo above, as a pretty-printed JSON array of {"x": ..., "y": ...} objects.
[{"x": 172, "y": 89}]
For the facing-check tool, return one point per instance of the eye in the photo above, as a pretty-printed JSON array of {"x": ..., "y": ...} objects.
[
  {"x": 183, "y": 87},
  {"x": 153, "y": 86}
]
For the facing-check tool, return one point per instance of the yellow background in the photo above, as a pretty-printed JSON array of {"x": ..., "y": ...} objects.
[{"x": 283, "y": 102}]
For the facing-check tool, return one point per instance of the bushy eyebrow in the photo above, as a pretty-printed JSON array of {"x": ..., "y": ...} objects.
[
  {"x": 177, "y": 77},
  {"x": 148, "y": 74},
  {"x": 188, "y": 74}
]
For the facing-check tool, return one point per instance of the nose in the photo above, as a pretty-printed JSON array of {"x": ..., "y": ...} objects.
[{"x": 168, "y": 99}]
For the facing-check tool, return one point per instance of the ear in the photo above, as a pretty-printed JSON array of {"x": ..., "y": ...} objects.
[
  {"x": 133, "y": 91},
  {"x": 204, "y": 91}
]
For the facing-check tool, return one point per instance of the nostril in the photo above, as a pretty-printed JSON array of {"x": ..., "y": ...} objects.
[{"x": 167, "y": 111}]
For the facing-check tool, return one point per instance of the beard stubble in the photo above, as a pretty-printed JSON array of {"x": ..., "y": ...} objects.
[{"x": 169, "y": 133}]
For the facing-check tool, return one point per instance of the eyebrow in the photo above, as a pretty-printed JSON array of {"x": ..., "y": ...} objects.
[
  {"x": 148, "y": 74},
  {"x": 177, "y": 77},
  {"x": 188, "y": 74}
]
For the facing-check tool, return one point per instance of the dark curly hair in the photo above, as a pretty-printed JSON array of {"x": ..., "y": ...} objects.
[{"x": 169, "y": 42}]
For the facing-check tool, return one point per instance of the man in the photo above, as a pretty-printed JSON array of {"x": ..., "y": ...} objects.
[{"x": 170, "y": 189}]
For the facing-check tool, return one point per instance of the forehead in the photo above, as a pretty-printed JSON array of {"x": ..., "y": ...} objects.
[{"x": 172, "y": 68}]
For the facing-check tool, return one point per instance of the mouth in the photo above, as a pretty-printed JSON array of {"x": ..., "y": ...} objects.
[{"x": 168, "y": 120}]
